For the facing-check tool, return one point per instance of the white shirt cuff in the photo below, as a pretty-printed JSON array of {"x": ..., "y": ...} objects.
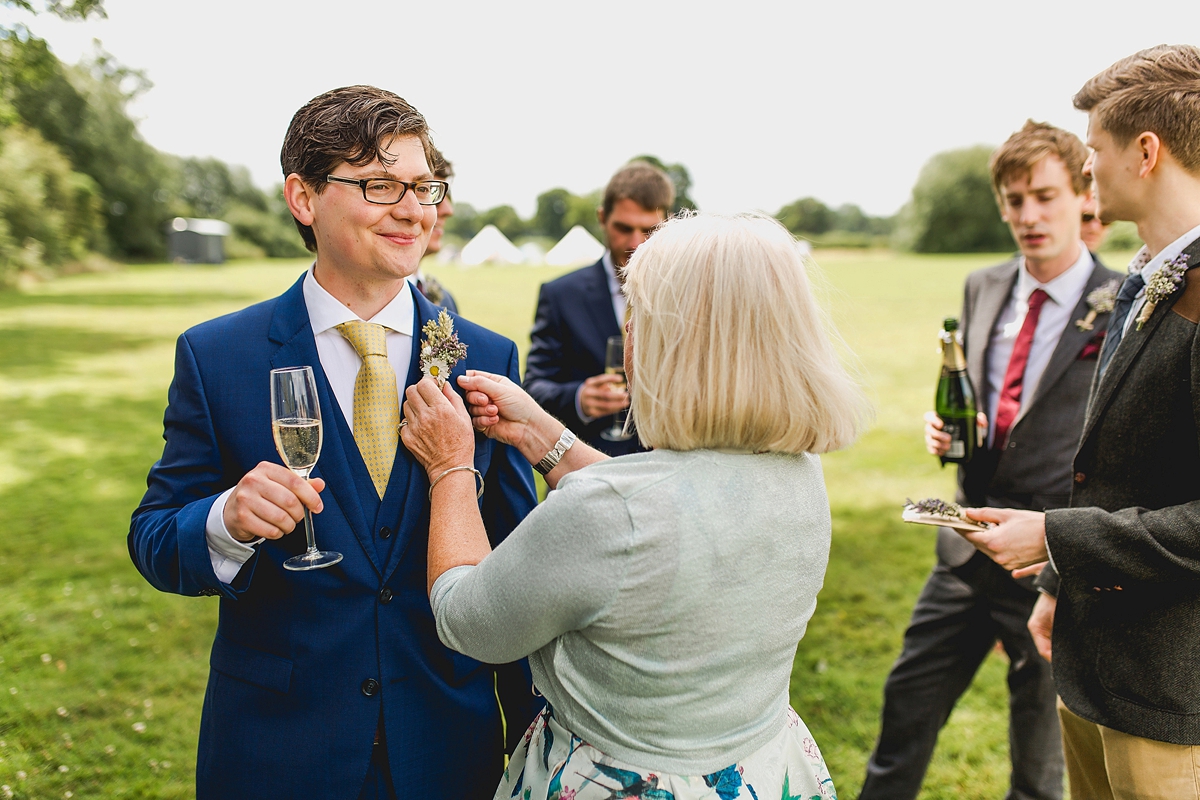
[
  {"x": 227, "y": 554},
  {"x": 579, "y": 407}
]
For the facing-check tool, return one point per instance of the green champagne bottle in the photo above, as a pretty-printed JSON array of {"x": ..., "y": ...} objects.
[{"x": 955, "y": 400}]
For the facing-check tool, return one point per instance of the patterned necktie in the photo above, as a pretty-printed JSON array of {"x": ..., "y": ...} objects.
[
  {"x": 1014, "y": 377},
  {"x": 376, "y": 402},
  {"x": 1116, "y": 323}
]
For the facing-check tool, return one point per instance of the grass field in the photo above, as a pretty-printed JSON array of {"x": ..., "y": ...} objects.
[{"x": 101, "y": 677}]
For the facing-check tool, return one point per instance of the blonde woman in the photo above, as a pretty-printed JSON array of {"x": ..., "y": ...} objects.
[{"x": 659, "y": 596}]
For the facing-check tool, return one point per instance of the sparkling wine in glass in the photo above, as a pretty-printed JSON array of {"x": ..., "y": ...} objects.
[
  {"x": 614, "y": 364},
  {"x": 296, "y": 426}
]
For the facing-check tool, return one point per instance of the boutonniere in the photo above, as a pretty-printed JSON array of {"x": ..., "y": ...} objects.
[
  {"x": 1100, "y": 301},
  {"x": 440, "y": 349},
  {"x": 1162, "y": 285}
]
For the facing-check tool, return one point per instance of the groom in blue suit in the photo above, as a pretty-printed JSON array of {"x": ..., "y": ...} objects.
[{"x": 330, "y": 683}]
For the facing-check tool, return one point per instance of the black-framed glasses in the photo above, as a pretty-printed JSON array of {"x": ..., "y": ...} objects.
[{"x": 389, "y": 191}]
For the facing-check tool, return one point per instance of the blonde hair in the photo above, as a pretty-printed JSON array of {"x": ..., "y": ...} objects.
[
  {"x": 1157, "y": 90},
  {"x": 730, "y": 348}
]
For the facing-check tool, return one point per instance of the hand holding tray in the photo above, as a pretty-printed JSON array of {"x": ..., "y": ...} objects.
[{"x": 932, "y": 511}]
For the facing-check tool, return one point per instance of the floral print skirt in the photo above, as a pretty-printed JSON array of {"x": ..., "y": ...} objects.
[{"x": 555, "y": 764}]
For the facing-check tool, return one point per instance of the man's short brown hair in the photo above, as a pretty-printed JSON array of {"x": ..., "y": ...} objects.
[
  {"x": 443, "y": 170},
  {"x": 1016, "y": 158},
  {"x": 1156, "y": 90},
  {"x": 644, "y": 184},
  {"x": 346, "y": 125}
]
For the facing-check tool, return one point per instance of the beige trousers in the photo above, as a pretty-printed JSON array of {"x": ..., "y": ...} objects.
[{"x": 1104, "y": 764}]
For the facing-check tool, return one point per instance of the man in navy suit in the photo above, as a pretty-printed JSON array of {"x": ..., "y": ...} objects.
[
  {"x": 329, "y": 683},
  {"x": 577, "y": 313}
]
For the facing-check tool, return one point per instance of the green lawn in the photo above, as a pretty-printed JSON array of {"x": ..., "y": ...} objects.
[{"x": 101, "y": 677}]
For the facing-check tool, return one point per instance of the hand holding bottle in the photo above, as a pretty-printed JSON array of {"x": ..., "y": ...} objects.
[{"x": 937, "y": 442}]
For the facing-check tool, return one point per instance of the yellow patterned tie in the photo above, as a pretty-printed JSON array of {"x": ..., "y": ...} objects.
[{"x": 376, "y": 403}]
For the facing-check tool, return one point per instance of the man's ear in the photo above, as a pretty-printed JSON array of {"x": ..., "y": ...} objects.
[
  {"x": 600, "y": 215},
  {"x": 1151, "y": 148},
  {"x": 299, "y": 197}
]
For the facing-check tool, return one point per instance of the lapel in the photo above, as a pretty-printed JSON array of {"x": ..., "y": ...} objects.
[
  {"x": 1128, "y": 350},
  {"x": 291, "y": 330},
  {"x": 1072, "y": 341},
  {"x": 597, "y": 303},
  {"x": 408, "y": 483},
  {"x": 993, "y": 296}
]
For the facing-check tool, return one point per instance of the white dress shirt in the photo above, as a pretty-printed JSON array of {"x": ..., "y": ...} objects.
[
  {"x": 1153, "y": 266},
  {"x": 619, "y": 306},
  {"x": 1063, "y": 293},
  {"x": 340, "y": 362}
]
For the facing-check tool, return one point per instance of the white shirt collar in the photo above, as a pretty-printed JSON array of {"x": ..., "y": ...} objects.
[
  {"x": 614, "y": 285},
  {"x": 325, "y": 311},
  {"x": 1168, "y": 253},
  {"x": 1064, "y": 289}
]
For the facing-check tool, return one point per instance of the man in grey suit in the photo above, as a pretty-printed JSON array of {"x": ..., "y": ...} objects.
[
  {"x": 1031, "y": 351},
  {"x": 1123, "y": 588}
]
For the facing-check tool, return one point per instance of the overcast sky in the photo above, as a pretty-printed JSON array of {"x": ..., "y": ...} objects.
[{"x": 764, "y": 102}]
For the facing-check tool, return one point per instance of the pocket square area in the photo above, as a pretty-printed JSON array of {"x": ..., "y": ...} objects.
[{"x": 1091, "y": 350}]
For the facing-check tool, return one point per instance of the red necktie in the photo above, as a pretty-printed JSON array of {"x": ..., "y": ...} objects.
[{"x": 1014, "y": 377}]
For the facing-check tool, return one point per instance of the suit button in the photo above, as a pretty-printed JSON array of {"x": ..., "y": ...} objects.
[
  {"x": 370, "y": 687},
  {"x": 385, "y": 595},
  {"x": 1080, "y": 477},
  {"x": 385, "y": 532}
]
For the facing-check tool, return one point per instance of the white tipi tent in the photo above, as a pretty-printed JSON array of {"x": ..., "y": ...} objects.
[
  {"x": 577, "y": 247},
  {"x": 490, "y": 246}
]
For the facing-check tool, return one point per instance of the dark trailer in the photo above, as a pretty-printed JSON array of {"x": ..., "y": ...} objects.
[{"x": 197, "y": 241}]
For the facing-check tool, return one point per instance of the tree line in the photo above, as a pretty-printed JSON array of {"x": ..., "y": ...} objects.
[
  {"x": 77, "y": 181},
  {"x": 79, "y": 184}
]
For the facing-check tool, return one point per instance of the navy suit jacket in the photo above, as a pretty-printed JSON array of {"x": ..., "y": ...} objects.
[
  {"x": 566, "y": 347},
  {"x": 305, "y": 665}
]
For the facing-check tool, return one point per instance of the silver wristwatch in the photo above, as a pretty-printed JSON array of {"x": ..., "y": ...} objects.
[{"x": 551, "y": 459}]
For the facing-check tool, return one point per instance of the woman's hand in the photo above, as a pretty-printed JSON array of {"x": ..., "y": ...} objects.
[
  {"x": 503, "y": 410},
  {"x": 436, "y": 428}
]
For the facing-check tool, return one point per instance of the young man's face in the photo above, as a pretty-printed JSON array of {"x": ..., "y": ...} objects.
[
  {"x": 1092, "y": 231},
  {"x": 1114, "y": 170},
  {"x": 367, "y": 243},
  {"x": 626, "y": 227},
  {"x": 1043, "y": 212}
]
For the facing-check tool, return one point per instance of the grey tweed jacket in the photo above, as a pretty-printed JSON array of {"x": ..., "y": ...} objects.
[{"x": 1127, "y": 626}]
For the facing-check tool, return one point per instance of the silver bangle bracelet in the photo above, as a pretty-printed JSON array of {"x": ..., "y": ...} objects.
[{"x": 434, "y": 482}]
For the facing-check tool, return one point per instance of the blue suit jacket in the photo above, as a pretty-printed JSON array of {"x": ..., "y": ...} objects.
[
  {"x": 566, "y": 347},
  {"x": 305, "y": 665}
]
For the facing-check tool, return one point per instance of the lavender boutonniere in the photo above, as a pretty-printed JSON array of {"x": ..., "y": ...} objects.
[
  {"x": 1100, "y": 301},
  {"x": 1162, "y": 285},
  {"x": 440, "y": 348}
]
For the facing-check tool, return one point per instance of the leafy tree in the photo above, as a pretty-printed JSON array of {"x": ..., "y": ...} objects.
[
  {"x": 465, "y": 222},
  {"x": 49, "y": 214},
  {"x": 952, "y": 209},
  {"x": 67, "y": 9},
  {"x": 505, "y": 218},
  {"x": 807, "y": 215},
  {"x": 582, "y": 211},
  {"x": 679, "y": 176},
  {"x": 550, "y": 219},
  {"x": 82, "y": 110}
]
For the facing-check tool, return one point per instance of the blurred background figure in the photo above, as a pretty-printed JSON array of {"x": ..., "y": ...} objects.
[
  {"x": 428, "y": 285},
  {"x": 1092, "y": 231},
  {"x": 577, "y": 313}
]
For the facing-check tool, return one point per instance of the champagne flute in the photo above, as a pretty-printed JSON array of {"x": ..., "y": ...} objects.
[
  {"x": 614, "y": 364},
  {"x": 296, "y": 426}
]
